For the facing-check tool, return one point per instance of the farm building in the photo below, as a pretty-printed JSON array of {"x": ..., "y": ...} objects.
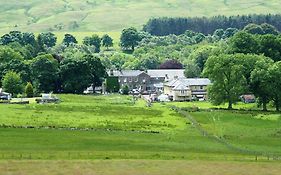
[
  {"x": 134, "y": 79},
  {"x": 150, "y": 80},
  {"x": 186, "y": 89}
]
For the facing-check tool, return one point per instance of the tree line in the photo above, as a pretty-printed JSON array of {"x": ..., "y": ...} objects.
[
  {"x": 246, "y": 64},
  {"x": 165, "y": 26},
  {"x": 38, "y": 63}
]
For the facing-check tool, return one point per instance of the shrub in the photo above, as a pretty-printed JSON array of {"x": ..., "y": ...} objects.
[
  {"x": 125, "y": 90},
  {"x": 112, "y": 84},
  {"x": 29, "y": 90}
]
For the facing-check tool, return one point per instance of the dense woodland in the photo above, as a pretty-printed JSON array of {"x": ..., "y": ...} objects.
[
  {"x": 165, "y": 26},
  {"x": 237, "y": 61}
]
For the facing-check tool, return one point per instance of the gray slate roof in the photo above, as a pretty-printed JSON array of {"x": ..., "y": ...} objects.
[
  {"x": 169, "y": 74},
  {"x": 126, "y": 73},
  {"x": 189, "y": 82}
]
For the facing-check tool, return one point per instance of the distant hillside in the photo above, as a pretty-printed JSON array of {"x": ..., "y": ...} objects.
[{"x": 114, "y": 15}]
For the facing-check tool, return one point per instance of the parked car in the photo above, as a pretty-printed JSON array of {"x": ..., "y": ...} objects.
[{"x": 5, "y": 96}]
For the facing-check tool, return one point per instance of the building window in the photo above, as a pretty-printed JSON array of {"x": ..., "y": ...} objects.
[
  {"x": 201, "y": 87},
  {"x": 136, "y": 79},
  {"x": 130, "y": 79}
]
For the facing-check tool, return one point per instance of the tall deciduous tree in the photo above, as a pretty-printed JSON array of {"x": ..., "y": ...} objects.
[
  {"x": 260, "y": 81},
  {"x": 192, "y": 70},
  {"x": 228, "y": 81},
  {"x": 243, "y": 42},
  {"x": 12, "y": 83},
  {"x": 107, "y": 41},
  {"x": 75, "y": 75},
  {"x": 269, "y": 29},
  {"x": 45, "y": 73},
  {"x": 96, "y": 69},
  {"x": 12, "y": 60},
  {"x": 94, "y": 40},
  {"x": 275, "y": 84},
  {"x": 270, "y": 46},
  {"x": 129, "y": 38},
  {"x": 46, "y": 40},
  {"x": 254, "y": 29},
  {"x": 68, "y": 39}
]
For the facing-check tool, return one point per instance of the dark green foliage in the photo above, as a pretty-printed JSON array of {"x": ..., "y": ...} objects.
[
  {"x": 243, "y": 42},
  {"x": 228, "y": 80},
  {"x": 260, "y": 81},
  {"x": 270, "y": 46},
  {"x": 69, "y": 39},
  {"x": 6, "y": 39},
  {"x": 269, "y": 29},
  {"x": 219, "y": 33},
  {"x": 29, "y": 38},
  {"x": 112, "y": 84},
  {"x": 75, "y": 75},
  {"x": 165, "y": 26},
  {"x": 45, "y": 73},
  {"x": 199, "y": 37},
  {"x": 13, "y": 36},
  {"x": 129, "y": 38},
  {"x": 107, "y": 41},
  {"x": 13, "y": 61},
  {"x": 26, "y": 51},
  {"x": 12, "y": 83},
  {"x": 192, "y": 70},
  {"x": 147, "y": 62},
  {"x": 29, "y": 90},
  {"x": 125, "y": 90},
  {"x": 262, "y": 29},
  {"x": 94, "y": 40},
  {"x": 275, "y": 84},
  {"x": 88, "y": 71},
  {"x": 23, "y": 39},
  {"x": 200, "y": 56},
  {"x": 46, "y": 40},
  {"x": 254, "y": 29},
  {"x": 229, "y": 32},
  {"x": 96, "y": 70}
]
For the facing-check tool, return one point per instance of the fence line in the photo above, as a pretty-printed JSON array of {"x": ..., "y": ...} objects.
[
  {"x": 205, "y": 133},
  {"x": 122, "y": 155}
]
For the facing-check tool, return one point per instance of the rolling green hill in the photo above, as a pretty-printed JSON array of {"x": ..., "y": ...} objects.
[{"x": 114, "y": 15}]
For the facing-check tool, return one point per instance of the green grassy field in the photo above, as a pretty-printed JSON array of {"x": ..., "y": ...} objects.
[
  {"x": 125, "y": 133},
  {"x": 115, "y": 126},
  {"x": 138, "y": 167},
  {"x": 103, "y": 15},
  {"x": 81, "y": 35}
]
